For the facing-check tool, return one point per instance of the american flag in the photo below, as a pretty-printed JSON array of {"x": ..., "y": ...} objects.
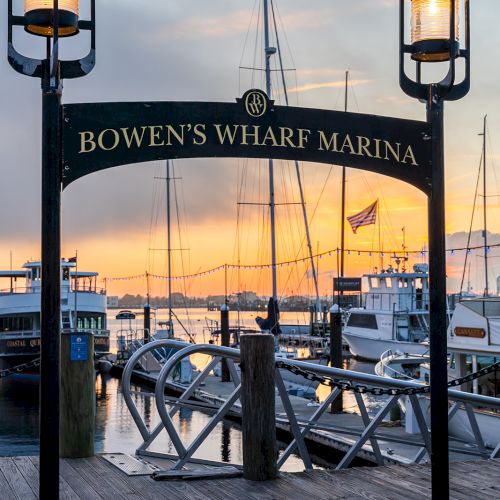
[{"x": 364, "y": 218}]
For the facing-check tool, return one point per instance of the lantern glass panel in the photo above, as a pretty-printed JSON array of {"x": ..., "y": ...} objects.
[{"x": 430, "y": 29}]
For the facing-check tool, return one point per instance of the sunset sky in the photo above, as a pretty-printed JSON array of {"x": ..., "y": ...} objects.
[{"x": 192, "y": 50}]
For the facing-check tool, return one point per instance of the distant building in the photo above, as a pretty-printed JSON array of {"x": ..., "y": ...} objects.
[{"x": 112, "y": 301}]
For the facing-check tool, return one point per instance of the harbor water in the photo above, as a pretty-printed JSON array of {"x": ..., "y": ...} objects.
[{"x": 115, "y": 428}]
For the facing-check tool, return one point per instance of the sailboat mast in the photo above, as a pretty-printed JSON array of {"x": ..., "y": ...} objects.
[
  {"x": 269, "y": 51},
  {"x": 485, "y": 234},
  {"x": 169, "y": 251},
  {"x": 342, "y": 225}
]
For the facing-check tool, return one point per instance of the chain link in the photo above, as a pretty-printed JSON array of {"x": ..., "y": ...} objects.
[
  {"x": 346, "y": 385},
  {"x": 20, "y": 368}
]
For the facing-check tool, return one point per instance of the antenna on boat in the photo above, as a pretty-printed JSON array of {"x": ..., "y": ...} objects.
[{"x": 485, "y": 234}]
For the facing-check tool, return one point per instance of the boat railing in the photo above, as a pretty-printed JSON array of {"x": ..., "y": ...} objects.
[
  {"x": 370, "y": 438},
  {"x": 97, "y": 332},
  {"x": 17, "y": 290},
  {"x": 19, "y": 333}
]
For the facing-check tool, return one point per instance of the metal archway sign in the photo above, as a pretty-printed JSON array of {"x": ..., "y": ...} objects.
[{"x": 102, "y": 135}]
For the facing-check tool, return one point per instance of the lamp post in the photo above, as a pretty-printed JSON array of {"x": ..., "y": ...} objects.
[
  {"x": 51, "y": 19},
  {"x": 435, "y": 28}
]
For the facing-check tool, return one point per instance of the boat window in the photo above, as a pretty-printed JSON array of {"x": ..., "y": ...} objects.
[
  {"x": 65, "y": 273},
  {"x": 388, "y": 282},
  {"x": 427, "y": 378},
  {"x": 88, "y": 321},
  {"x": 363, "y": 321},
  {"x": 374, "y": 282},
  {"x": 16, "y": 324},
  {"x": 453, "y": 361}
]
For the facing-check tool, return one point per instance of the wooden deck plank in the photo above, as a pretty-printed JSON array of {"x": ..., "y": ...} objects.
[
  {"x": 17, "y": 481},
  {"x": 29, "y": 471},
  {"x": 5, "y": 488},
  {"x": 385, "y": 479},
  {"x": 81, "y": 483},
  {"x": 95, "y": 479},
  {"x": 65, "y": 489},
  {"x": 143, "y": 487}
]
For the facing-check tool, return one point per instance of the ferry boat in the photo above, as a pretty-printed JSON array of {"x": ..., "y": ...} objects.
[
  {"x": 395, "y": 314},
  {"x": 83, "y": 309}
]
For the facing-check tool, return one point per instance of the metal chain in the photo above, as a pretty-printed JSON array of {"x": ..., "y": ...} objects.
[
  {"x": 19, "y": 368},
  {"x": 347, "y": 385}
]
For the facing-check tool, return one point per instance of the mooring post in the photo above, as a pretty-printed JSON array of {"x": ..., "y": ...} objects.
[
  {"x": 225, "y": 339},
  {"x": 336, "y": 360},
  {"x": 260, "y": 451},
  {"x": 77, "y": 395},
  {"x": 147, "y": 323}
]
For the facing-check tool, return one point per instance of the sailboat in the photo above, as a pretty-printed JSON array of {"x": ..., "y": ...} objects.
[{"x": 313, "y": 334}]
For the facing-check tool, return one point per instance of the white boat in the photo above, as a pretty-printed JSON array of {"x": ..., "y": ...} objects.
[
  {"x": 83, "y": 309},
  {"x": 394, "y": 316},
  {"x": 473, "y": 343}
]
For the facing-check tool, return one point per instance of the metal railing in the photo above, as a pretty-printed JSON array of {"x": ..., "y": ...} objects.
[{"x": 369, "y": 438}]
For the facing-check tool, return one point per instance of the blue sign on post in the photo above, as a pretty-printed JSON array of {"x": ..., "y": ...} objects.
[{"x": 79, "y": 348}]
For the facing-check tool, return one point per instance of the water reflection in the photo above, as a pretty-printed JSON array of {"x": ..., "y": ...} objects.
[{"x": 115, "y": 429}]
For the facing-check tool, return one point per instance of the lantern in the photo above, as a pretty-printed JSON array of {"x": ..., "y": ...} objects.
[
  {"x": 39, "y": 15},
  {"x": 430, "y": 30}
]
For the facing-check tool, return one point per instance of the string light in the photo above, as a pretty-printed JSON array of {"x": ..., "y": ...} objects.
[{"x": 329, "y": 253}]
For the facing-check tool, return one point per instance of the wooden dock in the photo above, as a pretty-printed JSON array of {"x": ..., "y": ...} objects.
[{"x": 95, "y": 478}]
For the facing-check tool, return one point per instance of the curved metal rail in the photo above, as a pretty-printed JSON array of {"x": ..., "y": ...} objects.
[{"x": 299, "y": 429}]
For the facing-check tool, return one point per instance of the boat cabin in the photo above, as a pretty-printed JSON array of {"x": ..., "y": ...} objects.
[{"x": 396, "y": 291}]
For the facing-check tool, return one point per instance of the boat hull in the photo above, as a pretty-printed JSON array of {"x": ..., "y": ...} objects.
[{"x": 372, "y": 349}]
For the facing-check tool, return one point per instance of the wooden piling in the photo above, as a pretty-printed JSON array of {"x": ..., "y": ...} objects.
[
  {"x": 77, "y": 395},
  {"x": 260, "y": 451},
  {"x": 225, "y": 339},
  {"x": 336, "y": 360}
]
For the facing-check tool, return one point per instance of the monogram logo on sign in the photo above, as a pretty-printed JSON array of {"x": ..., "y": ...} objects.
[{"x": 256, "y": 103}]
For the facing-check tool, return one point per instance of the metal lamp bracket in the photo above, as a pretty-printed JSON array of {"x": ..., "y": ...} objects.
[
  {"x": 446, "y": 89},
  {"x": 35, "y": 67}
]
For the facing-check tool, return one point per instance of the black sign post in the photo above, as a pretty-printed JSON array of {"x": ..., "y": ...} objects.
[
  {"x": 50, "y": 71},
  {"x": 445, "y": 50}
]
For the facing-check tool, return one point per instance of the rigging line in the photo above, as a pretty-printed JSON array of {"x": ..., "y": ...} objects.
[
  {"x": 297, "y": 165},
  {"x": 492, "y": 158},
  {"x": 290, "y": 53},
  {"x": 153, "y": 223},
  {"x": 314, "y": 213},
  {"x": 471, "y": 223},
  {"x": 177, "y": 212},
  {"x": 248, "y": 32}
]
